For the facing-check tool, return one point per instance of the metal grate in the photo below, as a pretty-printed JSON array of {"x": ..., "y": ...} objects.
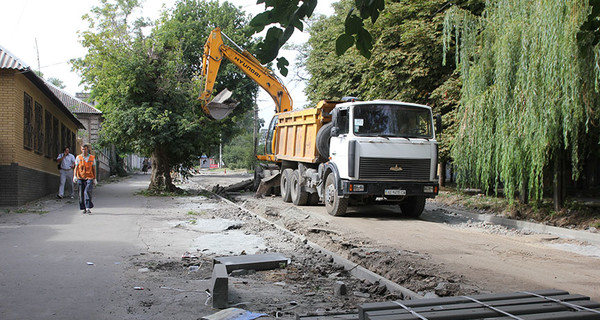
[{"x": 394, "y": 169}]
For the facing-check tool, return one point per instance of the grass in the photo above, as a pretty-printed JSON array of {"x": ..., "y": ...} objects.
[
  {"x": 23, "y": 210},
  {"x": 195, "y": 213}
]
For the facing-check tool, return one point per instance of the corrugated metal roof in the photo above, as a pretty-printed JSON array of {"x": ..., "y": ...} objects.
[
  {"x": 75, "y": 105},
  {"x": 10, "y": 61}
]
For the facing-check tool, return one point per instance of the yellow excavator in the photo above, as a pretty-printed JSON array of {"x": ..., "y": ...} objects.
[{"x": 222, "y": 105}]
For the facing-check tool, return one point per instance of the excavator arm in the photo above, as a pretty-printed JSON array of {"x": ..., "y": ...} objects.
[{"x": 214, "y": 52}]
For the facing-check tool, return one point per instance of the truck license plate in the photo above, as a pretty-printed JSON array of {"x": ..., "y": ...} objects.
[{"x": 395, "y": 192}]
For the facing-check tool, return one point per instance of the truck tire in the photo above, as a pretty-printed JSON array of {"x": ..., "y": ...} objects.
[
  {"x": 299, "y": 197},
  {"x": 413, "y": 206},
  {"x": 323, "y": 137},
  {"x": 313, "y": 199},
  {"x": 335, "y": 205},
  {"x": 285, "y": 185}
]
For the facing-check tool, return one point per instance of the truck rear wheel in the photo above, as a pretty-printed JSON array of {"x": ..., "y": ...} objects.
[
  {"x": 413, "y": 206},
  {"x": 335, "y": 205},
  {"x": 299, "y": 197},
  {"x": 285, "y": 185}
]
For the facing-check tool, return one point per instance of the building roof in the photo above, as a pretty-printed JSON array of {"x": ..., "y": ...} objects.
[
  {"x": 74, "y": 104},
  {"x": 10, "y": 61}
]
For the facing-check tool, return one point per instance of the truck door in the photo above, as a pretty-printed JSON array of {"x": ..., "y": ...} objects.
[{"x": 338, "y": 147}]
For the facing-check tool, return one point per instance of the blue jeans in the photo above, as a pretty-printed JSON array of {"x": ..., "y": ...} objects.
[{"x": 85, "y": 193}]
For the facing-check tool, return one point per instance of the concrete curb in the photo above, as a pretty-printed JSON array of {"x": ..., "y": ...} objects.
[
  {"x": 592, "y": 238},
  {"x": 355, "y": 269}
]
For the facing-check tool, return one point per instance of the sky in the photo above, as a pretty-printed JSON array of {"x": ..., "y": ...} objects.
[{"x": 44, "y": 35}]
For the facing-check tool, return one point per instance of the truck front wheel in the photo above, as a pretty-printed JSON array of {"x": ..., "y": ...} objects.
[
  {"x": 299, "y": 197},
  {"x": 413, "y": 206},
  {"x": 285, "y": 185},
  {"x": 335, "y": 205}
]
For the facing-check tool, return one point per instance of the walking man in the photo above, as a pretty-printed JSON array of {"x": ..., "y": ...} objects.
[
  {"x": 66, "y": 163},
  {"x": 85, "y": 175}
]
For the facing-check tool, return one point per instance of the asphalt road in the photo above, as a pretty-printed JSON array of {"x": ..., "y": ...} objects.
[{"x": 67, "y": 265}]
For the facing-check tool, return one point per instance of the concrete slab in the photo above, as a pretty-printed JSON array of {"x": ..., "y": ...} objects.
[
  {"x": 257, "y": 262},
  {"x": 220, "y": 286}
]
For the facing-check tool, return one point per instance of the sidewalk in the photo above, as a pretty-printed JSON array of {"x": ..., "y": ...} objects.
[{"x": 67, "y": 265}]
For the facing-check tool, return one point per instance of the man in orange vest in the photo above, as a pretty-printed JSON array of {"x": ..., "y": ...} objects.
[{"x": 85, "y": 176}]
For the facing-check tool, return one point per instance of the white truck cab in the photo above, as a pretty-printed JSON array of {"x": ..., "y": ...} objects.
[{"x": 381, "y": 151}]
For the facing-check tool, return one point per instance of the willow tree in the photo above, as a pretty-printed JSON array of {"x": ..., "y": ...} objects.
[{"x": 529, "y": 102}]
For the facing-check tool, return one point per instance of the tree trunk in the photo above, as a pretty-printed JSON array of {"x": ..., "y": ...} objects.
[
  {"x": 559, "y": 188},
  {"x": 442, "y": 173},
  {"x": 161, "y": 171},
  {"x": 524, "y": 190}
]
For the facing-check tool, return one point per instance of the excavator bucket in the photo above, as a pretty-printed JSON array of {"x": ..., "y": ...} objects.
[{"x": 221, "y": 106}]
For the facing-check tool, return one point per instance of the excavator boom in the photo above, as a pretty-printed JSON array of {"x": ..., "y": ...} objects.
[{"x": 214, "y": 52}]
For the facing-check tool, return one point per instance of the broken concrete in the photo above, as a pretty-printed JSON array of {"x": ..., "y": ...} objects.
[
  {"x": 257, "y": 262},
  {"x": 220, "y": 286}
]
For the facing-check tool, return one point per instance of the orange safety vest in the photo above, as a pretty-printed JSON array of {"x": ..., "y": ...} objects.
[{"x": 85, "y": 169}]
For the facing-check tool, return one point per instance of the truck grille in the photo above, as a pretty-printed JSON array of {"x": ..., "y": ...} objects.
[{"x": 403, "y": 169}]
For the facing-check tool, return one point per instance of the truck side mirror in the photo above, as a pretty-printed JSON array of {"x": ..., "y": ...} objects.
[{"x": 438, "y": 123}]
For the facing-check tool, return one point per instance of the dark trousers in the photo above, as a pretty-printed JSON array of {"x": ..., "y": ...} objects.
[{"x": 85, "y": 193}]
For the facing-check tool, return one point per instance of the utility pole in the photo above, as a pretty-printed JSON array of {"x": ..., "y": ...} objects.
[{"x": 37, "y": 50}]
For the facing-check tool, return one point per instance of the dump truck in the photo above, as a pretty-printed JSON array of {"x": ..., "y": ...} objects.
[{"x": 339, "y": 153}]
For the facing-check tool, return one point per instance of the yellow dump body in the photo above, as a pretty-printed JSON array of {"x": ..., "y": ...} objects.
[{"x": 296, "y": 132}]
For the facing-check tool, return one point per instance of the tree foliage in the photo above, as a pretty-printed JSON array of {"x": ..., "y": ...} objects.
[
  {"x": 284, "y": 17},
  {"x": 529, "y": 91},
  {"x": 406, "y": 61},
  {"x": 146, "y": 85}
]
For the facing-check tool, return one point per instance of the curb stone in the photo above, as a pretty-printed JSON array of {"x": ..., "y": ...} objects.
[{"x": 592, "y": 238}]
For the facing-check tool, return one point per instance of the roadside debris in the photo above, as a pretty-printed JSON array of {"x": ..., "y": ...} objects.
[
  {"x": 188, "y": 256},
  {"x": 233, "y": 314}
]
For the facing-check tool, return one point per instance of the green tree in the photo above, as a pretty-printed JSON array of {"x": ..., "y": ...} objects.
[
  {"x": 57, "y": 82},
  {"x": 530, "y": 93},
  {"x": 146, "y": 85},
  {"x": 284, "y": 17},
  {"x": 406, "y": 62}
]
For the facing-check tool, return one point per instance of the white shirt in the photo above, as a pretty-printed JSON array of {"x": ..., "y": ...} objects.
[{"x": 68, "y": 162}]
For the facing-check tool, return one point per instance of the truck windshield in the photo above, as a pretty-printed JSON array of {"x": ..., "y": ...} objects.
[{"x": 391, "y": 120}]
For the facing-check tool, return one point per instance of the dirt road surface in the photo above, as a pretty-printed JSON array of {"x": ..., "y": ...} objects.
[
  {"x": 480, "y": 256},
  {"x": 58, "y": 263}
]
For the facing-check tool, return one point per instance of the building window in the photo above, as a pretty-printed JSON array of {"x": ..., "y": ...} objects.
[
  {"x": 73, "y": 142},
  {"x": 28, "y": 122},
  {"x": 48, "y": 136},
  {"x": 55, "y": 137},
  {"x": 69, "y": 140},
  {"x": 63, "y": 136},
  {"x": 39, "y": 129}
]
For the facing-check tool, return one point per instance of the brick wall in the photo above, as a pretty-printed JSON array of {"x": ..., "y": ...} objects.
[
  {"x": 25, "y": 174},
  {"x": 19, "y": 185},
  {"x": 7, "y": 117},
  {"x": 26, "y": 157}
]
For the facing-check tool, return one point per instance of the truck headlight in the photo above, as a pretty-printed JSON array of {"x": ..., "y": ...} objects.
[
  {"x": 357, "y": 188},
  {"x": 428, "y": 189}
]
